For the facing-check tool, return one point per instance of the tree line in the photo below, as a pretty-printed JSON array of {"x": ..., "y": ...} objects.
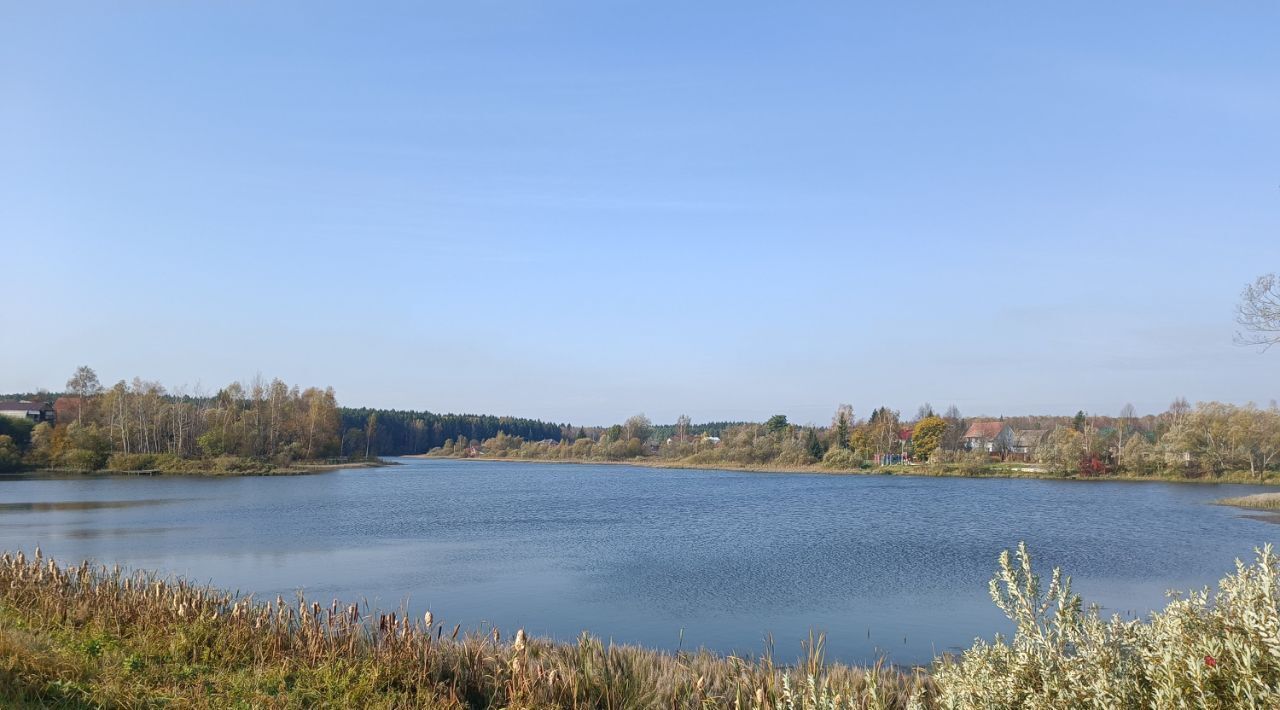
[
  {"x": 399, "y": 432},
  {"x": 1207, "y": 439},
  {"x": 141, "y": 425}
]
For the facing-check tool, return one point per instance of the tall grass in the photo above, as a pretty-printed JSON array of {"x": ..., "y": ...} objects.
[
  {"x": 1261, "y": 501},
  {"x": 95, "y": 636},
  {"x": 87, "y": 636}
]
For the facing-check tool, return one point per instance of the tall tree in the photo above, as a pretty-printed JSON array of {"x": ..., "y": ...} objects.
[
  {"x": 1258, "y": 312},
  {"x": 953, "y": 438},
  {"x": 682, "y": 428},
  {"x": 83, "y": 384},
  {"x": 370, "y": 431},
  {"x": 638, "y": 427},
  {"x": 841, "y": 422},
  {"x": 1127, "y": 414}
]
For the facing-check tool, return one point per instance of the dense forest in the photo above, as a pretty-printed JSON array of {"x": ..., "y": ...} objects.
[{"x": 398, "y": 432}]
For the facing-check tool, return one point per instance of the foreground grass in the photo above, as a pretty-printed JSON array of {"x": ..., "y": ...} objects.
[
  {"x": 89, "y": 637},
  {"x": 92, "y": 637}
]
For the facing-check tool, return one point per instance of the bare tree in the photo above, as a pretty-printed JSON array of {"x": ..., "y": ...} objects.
[
  {"x": 83, "y": 384},
  {"x": 925, "y": 411},
  {"x": 1127, "y": 414},
  {"x": 682, "y": 427},
  {"x": 953, "y": 436},
  {"x": 1259, "y": 312}
]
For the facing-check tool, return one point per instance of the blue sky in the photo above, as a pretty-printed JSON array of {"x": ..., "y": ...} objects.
[{"x": 582, "y": 210}]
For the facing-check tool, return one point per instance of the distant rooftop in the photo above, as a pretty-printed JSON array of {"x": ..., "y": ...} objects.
[{"x": 14, "y": 405}]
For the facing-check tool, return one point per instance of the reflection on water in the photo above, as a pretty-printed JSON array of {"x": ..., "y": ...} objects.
[
  {"x": 81, "y": 505},
  {"x": 93, "y": 533},
  {"x": 885, "y": 565}
]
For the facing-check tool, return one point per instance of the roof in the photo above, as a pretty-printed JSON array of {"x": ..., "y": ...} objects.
[
  {"x": 984, "y": 430},
  {"x": 1029, "y": 437},
  {"x": 16, "y": 406}
]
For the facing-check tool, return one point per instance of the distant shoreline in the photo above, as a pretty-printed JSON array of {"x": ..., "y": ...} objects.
[
  {"x": 893, "y": 470},
  {"x": 291, "y": 470}
]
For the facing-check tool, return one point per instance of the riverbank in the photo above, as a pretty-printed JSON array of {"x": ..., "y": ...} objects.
[
  {"x": 81, "y": 636},
  {"x": 198, "y": 467},
  {"x": 1258, "y": 501},
  {"x": 995, "y": 470}
]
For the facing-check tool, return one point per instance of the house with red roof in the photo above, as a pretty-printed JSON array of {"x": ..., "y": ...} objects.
[{"x": 991, "y": 436}]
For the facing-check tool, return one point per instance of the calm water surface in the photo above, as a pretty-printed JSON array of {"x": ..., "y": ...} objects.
[{"x": 889, "y": 566}]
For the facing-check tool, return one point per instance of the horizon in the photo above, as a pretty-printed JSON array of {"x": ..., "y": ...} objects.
[{"x": 575, "y": 213}]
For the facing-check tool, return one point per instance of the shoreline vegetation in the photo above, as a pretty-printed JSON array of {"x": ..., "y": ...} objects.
[
  {"x": 924, "y": 470},
  {"x": 270, "y": 427},
  {"x": 1258, "y": 501},
  {"x": 206, "y": 467},
  {"x": 81, "y": 636},
  {"x": 140, "y": 428},
  {"x": 1210, "y": 442}
]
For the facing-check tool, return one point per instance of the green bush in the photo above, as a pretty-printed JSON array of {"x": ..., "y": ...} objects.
[
  {"x": 131, "y": 462},
  {"x": 10, "y": 457},
  {"x": 143, "y": 462},
  {"x": 19, "y": 430},
  {"x": 82, "y": 459},
  {"x": 839, "y": 458},
  {"x": 1200, "y": 651}
]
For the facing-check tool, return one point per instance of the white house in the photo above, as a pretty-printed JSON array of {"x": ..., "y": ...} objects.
[
  {"x": 33, "y": 411},
  {"x": 992, "y": 437}
]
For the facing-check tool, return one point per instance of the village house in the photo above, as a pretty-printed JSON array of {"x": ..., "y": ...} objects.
[
  {"x": 1027, "y": 441},
  {"x": 32, "y": 411},
  {"x": 992, "y": 437}
]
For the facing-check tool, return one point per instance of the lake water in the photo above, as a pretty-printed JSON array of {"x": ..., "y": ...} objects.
[{"x": 886, "y": 566}]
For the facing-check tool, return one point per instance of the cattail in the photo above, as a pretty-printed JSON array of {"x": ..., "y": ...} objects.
[
  {"x": 760, "y": 698},
  {"x": 427, "y": 619},
  {"x": 497, "y": 635},
  {"x": 519, "y": 644}
]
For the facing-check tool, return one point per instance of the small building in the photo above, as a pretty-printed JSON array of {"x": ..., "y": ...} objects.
[
  {"x": 1027, "y": 441},
  {"x": 992, "y": 437},
  {"x": 32, "y": 411}
]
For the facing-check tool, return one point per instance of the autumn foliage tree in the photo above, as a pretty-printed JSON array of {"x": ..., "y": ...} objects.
[{"x": 927, "y": 436}]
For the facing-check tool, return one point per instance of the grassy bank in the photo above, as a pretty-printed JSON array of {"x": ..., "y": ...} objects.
[
  {"x": 86, "y": 637},
  {"x": 1259, "y": 501},
  {"x": 83, "y": 636},
  {"x": 226, "y": 466},
  {"x": 993, "y": 470}
]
